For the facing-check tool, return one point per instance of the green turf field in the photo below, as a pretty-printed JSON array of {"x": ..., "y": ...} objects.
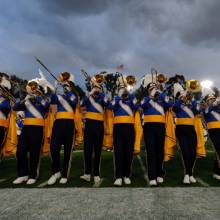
[{"x": 174, "y": 171}]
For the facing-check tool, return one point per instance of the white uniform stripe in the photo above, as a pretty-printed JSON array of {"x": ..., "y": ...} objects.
[
  {"x": 96, "y": 105},
  {"x": 126, "y": 108},
  {"x": 30, "y": 107},
  {"x": 156, "y": 106},
  {"x": 188, "y": 111},
  {"x": 65, "y": 104},
  {"x": 216, "y": 115}
]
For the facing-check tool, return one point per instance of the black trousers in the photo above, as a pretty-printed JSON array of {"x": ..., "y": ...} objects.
[
  {"x": 30, "y": 140},
  {"x": 62, "y": 134},
  {"x": 154, "y": 137},
  {"x": 93, "y": 140},
  {"x": 123, "y": 140},
  {"x": 214, "y": 135},
  {"x": 2, "y": 136},
  {"x": 187, "y": 139}
]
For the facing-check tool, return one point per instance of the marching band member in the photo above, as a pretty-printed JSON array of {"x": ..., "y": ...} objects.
[
  {"x": 36, "y": 106},
  {"x": 63, "y": 128},
  {"x": 185, "y": 110},
  {"x": 154, "y": 107},
  {"x": 5, "y": 108},
  {"x": 95, "y": 103},
  {"x": 123, "y": 107},
  {"x": 211, "y": 111}
]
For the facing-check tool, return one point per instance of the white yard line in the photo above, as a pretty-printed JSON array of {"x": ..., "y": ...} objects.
[
  {"x": 42, "y": 184},
  {"x": 143, "y": 168},
  {"x": 202, "y": 182}
]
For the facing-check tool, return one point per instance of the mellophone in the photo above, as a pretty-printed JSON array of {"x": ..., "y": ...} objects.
[{"x": 163, "y": 111}]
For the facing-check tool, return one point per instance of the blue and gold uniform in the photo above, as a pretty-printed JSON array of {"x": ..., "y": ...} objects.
[
  {"x": 63, "y": 130},
  {"x": 185, "y": 132},
  {"x": 31, "y": 137},
  {"x": 123, "y": 134},
  {"x": 95, "y": 105},
  {"x": 5, "y": 109},
  {"x": 212, "y": 118},
  {"x": 154, "y": 110}
]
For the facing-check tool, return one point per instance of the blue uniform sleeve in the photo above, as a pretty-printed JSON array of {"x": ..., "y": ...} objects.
[
  {"x": 105, "y": 101},
  {"x": 114, "y": 104},
  {"x": 166, "y": 101},
  {"x": 54, "y": 99},
  {"x": 195, "y": 107},
  {"x": 134, "y": 103},
  {"x": 145, "y": 102},
  {"x": 5, "y": 104},
  {"x": 84, "y": 101},
  {"x": 19, "y": 107},
  {"x": 177, "y": 105},
  {"x": 209, "y": 109},
  {"x": 43, "y": 102}
]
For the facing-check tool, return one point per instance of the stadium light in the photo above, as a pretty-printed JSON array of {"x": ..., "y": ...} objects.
[{"x": 206, "y": 84}]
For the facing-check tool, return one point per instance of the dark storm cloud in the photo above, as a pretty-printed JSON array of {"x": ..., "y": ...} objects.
[
  {"x": 67, "y": 7},
  {"x": 174, "y": 36}
]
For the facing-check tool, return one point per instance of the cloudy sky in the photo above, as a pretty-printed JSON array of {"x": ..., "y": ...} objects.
[{"x": 175, "y": 36}]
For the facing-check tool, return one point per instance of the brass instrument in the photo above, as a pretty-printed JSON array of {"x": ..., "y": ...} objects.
[
  {"x": 34, "y": 88},
  {"x": 65, "y": 79},
  {"x": 85, "y": 74},
  {"x": 131, "y": 81},
  {"x": 6, "y": 93},
  {"x": 193, "y": 86},
  {"x": 99, "y": 78},
  {"x": 161, "y": 78},
  {"x": 95, "y": 81}
]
